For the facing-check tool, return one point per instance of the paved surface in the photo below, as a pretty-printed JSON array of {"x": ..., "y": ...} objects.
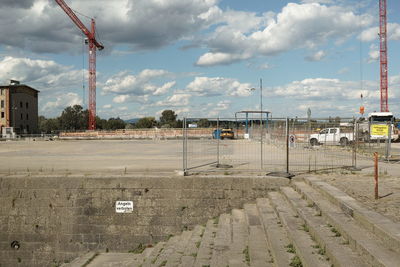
[
  {"x": 124, "y": 156},
  {"x": 90, "y": 156}
]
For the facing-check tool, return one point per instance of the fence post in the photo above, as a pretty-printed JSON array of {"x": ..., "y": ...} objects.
[
  {"x": 355, "y": 143},
  {"x": 287, "y": 144},
  {"x": 261, "y": 142},
  {"x": 184, "y": 152},
  {"x": 376, "y": 174},
  {"x": 389, "y": 141},
  {"x": 218, "y": 137}
]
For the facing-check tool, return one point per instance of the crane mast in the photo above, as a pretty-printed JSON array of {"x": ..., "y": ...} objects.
[
  {"x": 93, "y": 45},
  {"x": 383, "y": 56}
]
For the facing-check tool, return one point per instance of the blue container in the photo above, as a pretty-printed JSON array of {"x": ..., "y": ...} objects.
[{"x": 217, "y": 134}]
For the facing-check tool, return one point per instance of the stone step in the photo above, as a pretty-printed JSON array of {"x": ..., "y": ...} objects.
[
  {"x": 276, "y": 234},
  {"x": 301, "y": 242},
  {"x": 174, "y": 259},
  {"x": 258, "y": 249},
  {"x": 385, "y": 228},
  {"x": 190, "y": 252},
  {"x": 329, "y": 243},
  {"x": 152, "y": 257},
  {"x": 82, "y": 260},
  {"x": 240, "y": 236},
  {"x": 222, "y": 241},
  {"x": 168, "y": 250},
  {"x": 372, "y": 249},
  {"x": 114, "y": 260},
  {"x": 206, "y": 245}
]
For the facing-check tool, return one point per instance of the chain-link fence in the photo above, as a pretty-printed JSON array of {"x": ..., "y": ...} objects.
[
  {"x": 381, "y": 137},
  {"x": 289, "y": 145}
]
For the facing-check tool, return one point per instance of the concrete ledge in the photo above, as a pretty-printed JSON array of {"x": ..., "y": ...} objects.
[{"x": 373, "y": 221}]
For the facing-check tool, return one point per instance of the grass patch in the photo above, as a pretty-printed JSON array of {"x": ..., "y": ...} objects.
[
  {"x": 162, "y": 264},
  {"x": 216, "y": 220},
  {"x": 90, "y": 260},
  {"x": 247, "y": 255},
  {"x": 198, "y": 244},
  {"x": 321, "y": 251},
  {"x": 296, "y": 262},
  {"x": 336, "y": 232},
  {"x": 193, "y": 255},
  {"x": 138, "y": 250},
  {"x": 290, "y": 248},
  {"x": 305, "y": 228}
]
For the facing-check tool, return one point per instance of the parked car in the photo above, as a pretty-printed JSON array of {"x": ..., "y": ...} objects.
[
  {"x": 223, "y": 133},
  {"x": 227, "y": 133},
  {"x": 332, "y": 136}
]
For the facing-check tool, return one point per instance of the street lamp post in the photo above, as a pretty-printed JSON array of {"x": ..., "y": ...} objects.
[{"x": 261, "y": 122}]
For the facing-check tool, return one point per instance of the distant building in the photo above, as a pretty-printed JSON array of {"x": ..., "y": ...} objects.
[{"x": 19, "y": 108}]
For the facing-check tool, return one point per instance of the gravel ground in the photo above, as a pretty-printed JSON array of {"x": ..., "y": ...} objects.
[{"x": 361, "y": 186}]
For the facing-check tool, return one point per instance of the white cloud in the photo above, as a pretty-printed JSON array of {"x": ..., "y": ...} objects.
[
  {"x": 326, "y": 89},
  {"x": 205, "y": 86},
  {"x": 43, "y": 27},
  {"x": 317, "y": 56},
  {"x": 372, "y": 34},
  {"x": 147, "y": 83},
  {"x": 343, "y": 70},
  {"x": 131, "y": 98},
  {"x": 43, "y": 75},
  {"x": 373, "y": 54},
  {"x": 214, "y": 110},
  {"x": 53, "y": 108},
  {"x": 107, "y": 106},
  {"x": 297, "y": 26},
  {"x": 176, "y": 100}
]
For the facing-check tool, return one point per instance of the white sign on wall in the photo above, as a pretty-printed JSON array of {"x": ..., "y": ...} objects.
[{"x": 124, "y": 206}]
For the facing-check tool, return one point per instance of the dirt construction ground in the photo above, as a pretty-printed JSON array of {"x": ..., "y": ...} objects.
[{"x": 122, "y": 157}]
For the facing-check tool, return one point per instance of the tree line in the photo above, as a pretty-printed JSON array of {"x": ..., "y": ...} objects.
[{"x": 75, "y": 118}]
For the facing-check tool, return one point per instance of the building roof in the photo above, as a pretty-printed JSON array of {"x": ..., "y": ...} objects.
[{"x": 18, "y": 86}]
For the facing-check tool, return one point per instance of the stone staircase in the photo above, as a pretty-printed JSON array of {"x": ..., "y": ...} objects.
[{"x": 309, "y": 224}]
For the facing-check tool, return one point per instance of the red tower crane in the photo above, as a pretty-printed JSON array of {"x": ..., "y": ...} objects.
[
  {"x": 383, "y": 56},
  {"x": 93, "y": 44}
]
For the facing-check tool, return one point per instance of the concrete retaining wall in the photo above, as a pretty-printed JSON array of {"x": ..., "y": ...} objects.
[{"x": 56, "y": 219}]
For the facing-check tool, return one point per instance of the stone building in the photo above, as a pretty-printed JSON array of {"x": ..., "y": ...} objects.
[{"x": 19, "y": 108}]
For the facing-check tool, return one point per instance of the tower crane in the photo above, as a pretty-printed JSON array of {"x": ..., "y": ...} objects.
[
  {"x": 383, "y": 56},
  {"x": 93, "y": 45}
]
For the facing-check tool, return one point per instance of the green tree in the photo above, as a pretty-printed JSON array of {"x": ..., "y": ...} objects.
[
  {"x": 146, "y": 122},
  {"x": 203, "y": 123},
  {"x": 168, "y": 117},
  {"x": 74, "y": 118},
  {"x": 115, "y": 123},
  {"x": 48, "y": 125}
]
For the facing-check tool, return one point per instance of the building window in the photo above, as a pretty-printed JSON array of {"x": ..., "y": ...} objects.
[
  {"x": 2, "y": 103},
  {"x": 27, "y": 128},
  {"x": 26, "y": 105},
  {"x": 20, "y": 104},
  {"x": 27, "y": 116},
  {"x": 2, "y": 115},
  {"x": 21, "y": 116},
  {"x": 2, "y": 92}
]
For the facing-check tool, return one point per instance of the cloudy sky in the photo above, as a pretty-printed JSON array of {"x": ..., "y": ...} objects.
[{"x": 202, "y": 57}]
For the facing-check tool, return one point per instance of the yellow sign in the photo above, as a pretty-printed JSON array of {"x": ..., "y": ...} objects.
[{"x": 380, "y": 130}]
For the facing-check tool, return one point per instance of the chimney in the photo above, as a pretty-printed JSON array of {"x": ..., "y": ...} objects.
[{"x": 14, "y": 82}]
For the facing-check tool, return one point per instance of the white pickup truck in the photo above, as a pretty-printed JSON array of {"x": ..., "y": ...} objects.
[{"x": 331, "y": 136}]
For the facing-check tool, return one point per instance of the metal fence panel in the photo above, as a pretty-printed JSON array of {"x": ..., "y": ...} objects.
[{"x": 275, "y": 144}]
